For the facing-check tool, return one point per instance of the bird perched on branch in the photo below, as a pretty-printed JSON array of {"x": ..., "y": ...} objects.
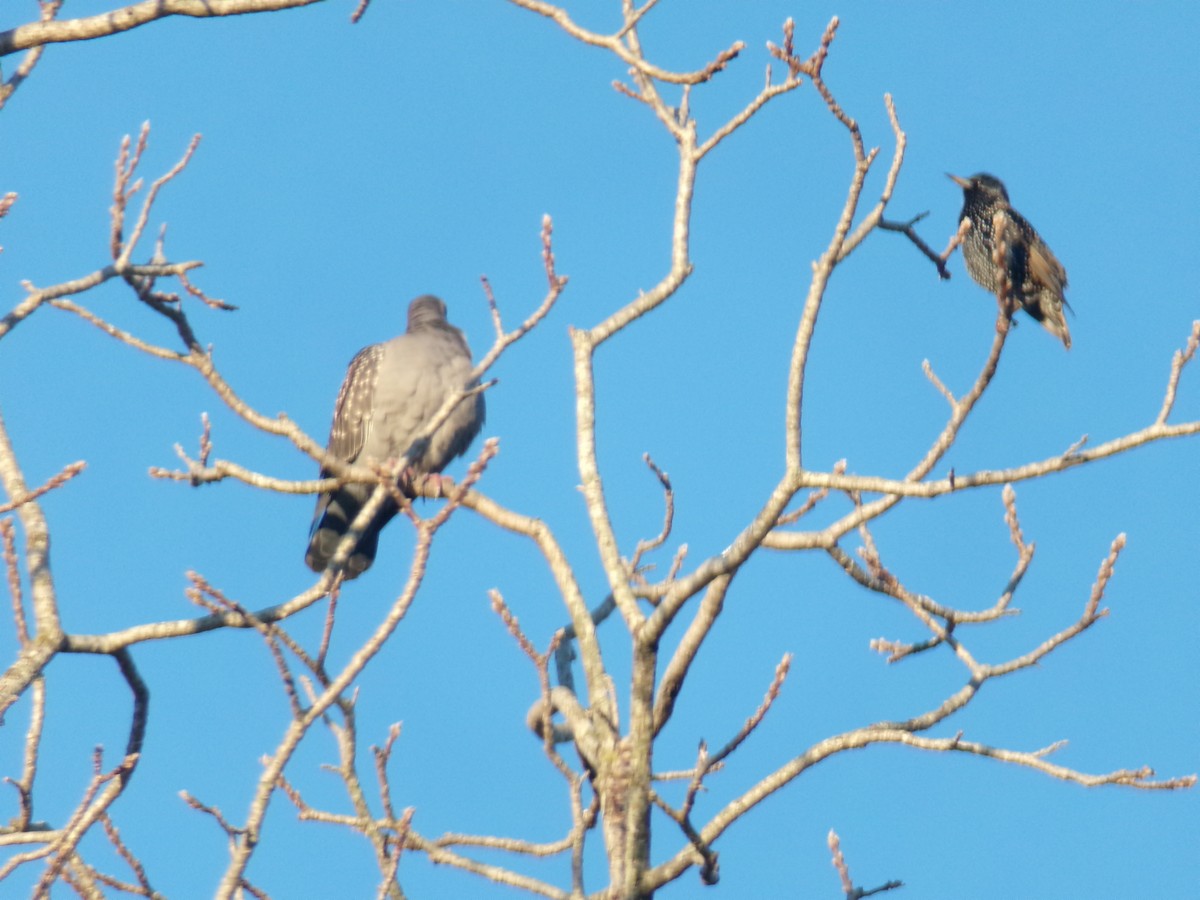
[
  {"x": 1036, "y": 277},
  {"x": 390, "y": 394}
]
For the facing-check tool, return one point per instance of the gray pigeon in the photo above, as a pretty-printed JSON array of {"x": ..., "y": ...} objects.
[{"x": 391, "y": 391}]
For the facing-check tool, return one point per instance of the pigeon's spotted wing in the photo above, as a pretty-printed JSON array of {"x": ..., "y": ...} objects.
[{"x": 352, "y": 412}]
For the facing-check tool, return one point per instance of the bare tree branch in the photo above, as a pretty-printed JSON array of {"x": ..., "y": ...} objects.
[{"x": 52, "y": 31}]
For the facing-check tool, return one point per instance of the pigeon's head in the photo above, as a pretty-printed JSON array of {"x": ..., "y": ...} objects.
[{"x": 426, "y": 310}]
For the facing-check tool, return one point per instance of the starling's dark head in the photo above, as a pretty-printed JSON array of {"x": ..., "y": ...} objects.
[
  {"x": 426, "y": 310},
  {"x": 982, "y": 187}
]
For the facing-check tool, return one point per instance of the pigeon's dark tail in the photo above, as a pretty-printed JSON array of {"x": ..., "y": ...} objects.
[{"x": 334, "y": 514}]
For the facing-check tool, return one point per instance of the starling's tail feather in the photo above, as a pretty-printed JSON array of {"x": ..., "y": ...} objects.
[
  {"x": 1048, "y": 310},
  {"x": 1058, "y": 328}
]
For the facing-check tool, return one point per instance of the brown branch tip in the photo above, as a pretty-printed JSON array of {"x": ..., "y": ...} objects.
[
  {"x": 514, "y": 627},
  {"x": 556, "y": 282}
]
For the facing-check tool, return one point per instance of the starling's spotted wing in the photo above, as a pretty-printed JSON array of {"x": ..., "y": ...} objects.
[
  {"x": 1039, "y": 279},
  {"x": 1045, "y": 269},
  {"x": 390, "y": 392}
]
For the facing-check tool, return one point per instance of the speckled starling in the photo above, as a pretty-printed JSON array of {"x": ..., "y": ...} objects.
[{"x": 1036, "y": 276}]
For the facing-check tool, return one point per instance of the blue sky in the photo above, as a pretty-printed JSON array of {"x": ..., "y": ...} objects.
[{"x": 345, "y": 169}]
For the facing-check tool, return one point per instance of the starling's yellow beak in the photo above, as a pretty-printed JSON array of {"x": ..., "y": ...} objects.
[{"x": 961, "y": 182}]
